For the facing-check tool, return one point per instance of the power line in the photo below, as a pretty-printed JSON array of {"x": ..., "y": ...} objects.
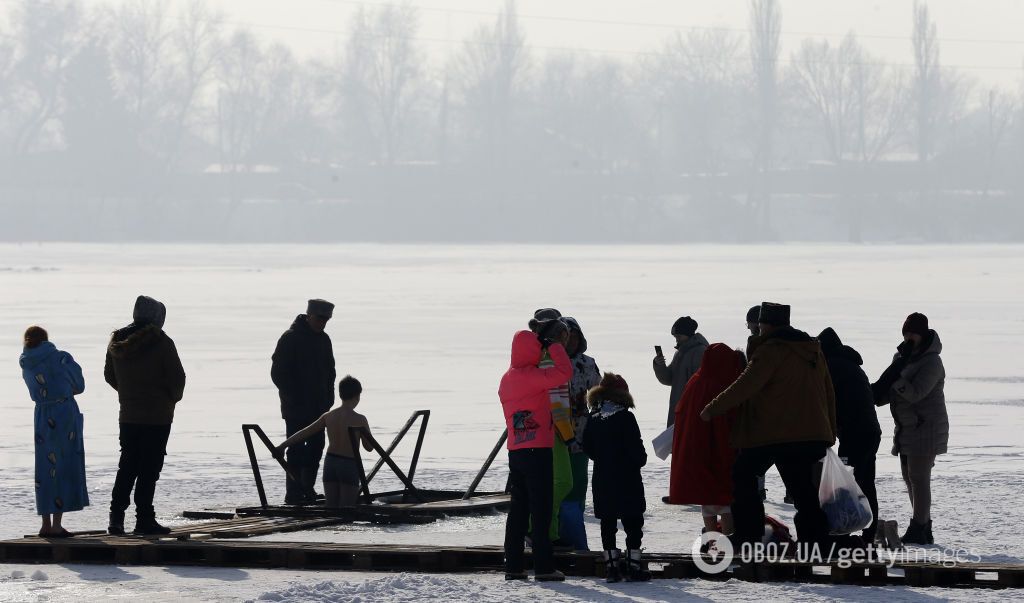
[
  {"x": 673, "y": 26},
  {"x": 566, "y": 49}
]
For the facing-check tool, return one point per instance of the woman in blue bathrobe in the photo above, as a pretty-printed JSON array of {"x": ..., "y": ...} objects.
[{"x": 53, "y": 379}]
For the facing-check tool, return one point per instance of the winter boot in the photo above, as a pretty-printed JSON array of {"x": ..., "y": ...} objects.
[
  {"x": 891, "y": 534},
  {"x": 148, "y": 526},
  {"x": 552, "y": 576},
  {"x": 917, "y": 533},
  {"x": 634, "y": 567},
  {"x": 115, "y": 527},
  {"x": 928, "y": 533},
  {"x": 612, "y": 559}
]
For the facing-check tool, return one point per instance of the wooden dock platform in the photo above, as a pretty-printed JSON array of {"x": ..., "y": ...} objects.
[{"x": 411, "y": 558}]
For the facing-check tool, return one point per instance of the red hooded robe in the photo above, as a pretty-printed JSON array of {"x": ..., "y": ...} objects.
[{"x": 701, "y": 455}]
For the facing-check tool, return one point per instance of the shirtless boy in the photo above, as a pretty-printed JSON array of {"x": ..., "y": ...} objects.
[{"x": 341, "y": 469}]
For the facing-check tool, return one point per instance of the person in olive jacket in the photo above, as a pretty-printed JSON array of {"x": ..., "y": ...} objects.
[
  {"x": 304, "y": 373},
  {"x": 786, "y": 418},
  {"x": 856, "y": 421},
  {"x": 142, "y": 364}
]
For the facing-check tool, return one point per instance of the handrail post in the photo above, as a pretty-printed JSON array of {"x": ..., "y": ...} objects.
[
  {"x": 486, "y": 466},
  {"x": 255, "y": 466},
  {"x": 394, "y": 443},
  {"x": 419, "y": 443}
]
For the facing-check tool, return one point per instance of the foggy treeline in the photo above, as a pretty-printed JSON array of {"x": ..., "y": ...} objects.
[{"x": 164, "y": 120}]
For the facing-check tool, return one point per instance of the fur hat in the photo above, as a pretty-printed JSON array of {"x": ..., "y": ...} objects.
[
  {"x": 319, "y": 307},
  {"x": 916, "y": 323},
  {"x": 684, "y": 326},
  {"x": 776, "y": 315},
  {"x": 613, "y": 388},
  {"x": 148, "y": 311}
]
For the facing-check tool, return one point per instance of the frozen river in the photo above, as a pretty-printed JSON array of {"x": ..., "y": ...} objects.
[{"x": 430, "y": 327}]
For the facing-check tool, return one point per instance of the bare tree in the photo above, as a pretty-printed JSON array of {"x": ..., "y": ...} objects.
[
  {"x": 382, "y": 69},
  {"x": 47, "y": 34},
  {"x": 142, "y": 66},
  {"x": 696, "y": 80},
  {"x": 927, "y": 80},
  {"x": 857, "y": 102},
  {"x": 1000, "y": 109},
  {"x": 197, "y": 44},
  {"x": 766, "y": 29},
  {"x": 491, "y": 67}
]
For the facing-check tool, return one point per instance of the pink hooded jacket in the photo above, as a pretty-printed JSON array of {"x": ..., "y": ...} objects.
[{"x": 524, "y": 392}]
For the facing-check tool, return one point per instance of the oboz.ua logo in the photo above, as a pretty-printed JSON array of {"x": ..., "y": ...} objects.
[{"x": 720, "y": 551}]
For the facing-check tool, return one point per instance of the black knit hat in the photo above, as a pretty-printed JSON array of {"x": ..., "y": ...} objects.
[
  {"x": 546, "y": 314},
  {"x": 148, "y": 311},
  {"x": 319, "y": 307},
  {"x": 753, "y": 313},
  {"x": 776, "y": 315},
  {"x": 916, "y": 323},
  {"x": 684, "y": 326}
]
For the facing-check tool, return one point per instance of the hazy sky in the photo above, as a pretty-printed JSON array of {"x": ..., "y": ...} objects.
[{"x": 986, "y": 36}]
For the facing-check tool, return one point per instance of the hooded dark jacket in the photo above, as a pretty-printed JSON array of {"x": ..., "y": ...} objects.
[
  {"x": 785, "y": 394},
  {"x": 303, "y": 370},
  {"x": 856, "y": 421},
  {"x": 142, "y": 364},
  {"x": 613, "y": 441}
]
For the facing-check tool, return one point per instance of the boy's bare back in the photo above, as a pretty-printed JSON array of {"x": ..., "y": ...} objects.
[{"x": 338, "y": 421}]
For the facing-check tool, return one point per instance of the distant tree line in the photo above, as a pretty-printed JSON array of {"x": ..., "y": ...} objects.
[{"x": 148, "y": 90}]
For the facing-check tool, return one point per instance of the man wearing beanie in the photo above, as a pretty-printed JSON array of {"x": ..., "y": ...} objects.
[
  {"x": 913, "y": 386},
  {"x": 303, "y": 370},
  {"x": 786, "y": 418},
  {"x": 142, "y": 365},
  {"x": 690, "y": 346}
]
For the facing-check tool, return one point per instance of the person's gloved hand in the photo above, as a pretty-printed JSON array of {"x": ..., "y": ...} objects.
[
  {"x": 905, "y": 349},
  {"x": 278, "y": 453},
  {"x": 574, "y": 446}
]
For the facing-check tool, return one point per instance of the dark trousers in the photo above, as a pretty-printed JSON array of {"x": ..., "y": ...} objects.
[
  {"x": 633, "y": 525},
  {"x": 303, "y": 458},
  {"x": 531, "y": 482},
  {"x": 862, "y": 459},
  {"x": 796, "y": 464},
  {"x": 143, "y": 448}
]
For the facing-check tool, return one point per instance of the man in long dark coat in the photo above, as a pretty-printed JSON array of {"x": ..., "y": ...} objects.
[{"x": 303, "y": 371}]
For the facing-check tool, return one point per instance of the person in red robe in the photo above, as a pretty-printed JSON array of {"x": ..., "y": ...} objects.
[{"x": 702, "y": 456}]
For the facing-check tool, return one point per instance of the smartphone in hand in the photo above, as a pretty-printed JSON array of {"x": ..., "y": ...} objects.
[{"x": 657, "y": 350}]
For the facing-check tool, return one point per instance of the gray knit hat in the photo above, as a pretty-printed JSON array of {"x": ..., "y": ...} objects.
[
  {"x": 148, "y": 311},
  {"x": 319, "y": 307}
]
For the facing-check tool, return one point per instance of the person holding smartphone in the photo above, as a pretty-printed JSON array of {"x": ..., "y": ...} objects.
[{"x": 690, "y": 346}]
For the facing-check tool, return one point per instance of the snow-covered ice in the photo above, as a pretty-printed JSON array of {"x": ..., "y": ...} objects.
[{"x": 430, "y": 326}]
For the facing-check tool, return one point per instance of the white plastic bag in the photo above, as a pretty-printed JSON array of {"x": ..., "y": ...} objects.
[
  {"x": 663, "y": 443},
  {"x": 845, "y": 506}
]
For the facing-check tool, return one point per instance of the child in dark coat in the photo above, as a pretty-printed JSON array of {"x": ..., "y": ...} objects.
[{"x": 612, "y": 439}]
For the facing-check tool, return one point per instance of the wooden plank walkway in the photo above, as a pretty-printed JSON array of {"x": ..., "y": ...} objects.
[{"x": 410, "y": 558}]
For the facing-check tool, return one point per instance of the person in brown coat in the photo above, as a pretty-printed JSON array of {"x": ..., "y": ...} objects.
[
  {"x": 786, "y": 418},
  {"x": 142, "y": 364}
]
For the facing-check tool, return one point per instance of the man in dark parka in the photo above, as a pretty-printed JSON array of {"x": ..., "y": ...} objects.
[
  {"x": 303, "y": 371},
  {"x": 142, "y": 365},
  {"x": 856, "y": 421}
]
